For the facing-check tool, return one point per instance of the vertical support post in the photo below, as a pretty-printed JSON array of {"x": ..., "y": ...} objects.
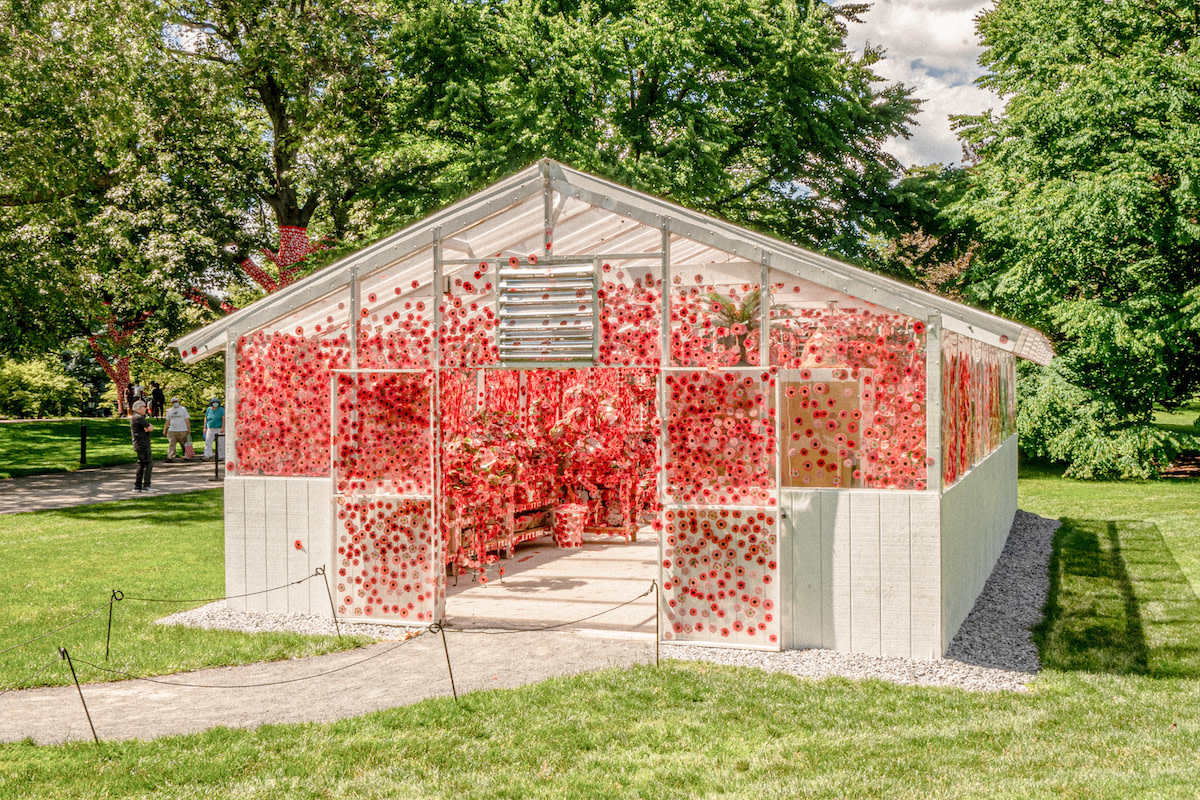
[
  {"x": 436, "y": 510},
  {"x": 116, "y": 596},
  {"x": 596, "y": 336},
  {"x": 664, "y": 362},
  {"x": 82, "y": 443},
  {"x": 547, "y": 213},
  {"x": 354, "y": 317},
  {"x": 449, "y": 669},
  {"x": 62, "y": 651},
  {"x": 764, "y": 309},
  {"x": 332, "y": 607},
  {"x": 933, "y": 403},
  {"x": 231, "y": 370}
]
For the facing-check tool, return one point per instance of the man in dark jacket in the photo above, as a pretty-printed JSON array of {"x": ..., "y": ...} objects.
[
  {"x": 139, "y": 428},
  {"x": 157, "y": 400}
]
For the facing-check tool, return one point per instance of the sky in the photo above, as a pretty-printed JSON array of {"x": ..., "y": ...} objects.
[{"x": 931, "y": 47}]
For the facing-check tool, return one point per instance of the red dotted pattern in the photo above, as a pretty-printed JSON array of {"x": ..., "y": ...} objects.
[
  {"x": 400, "y": 337},
  {"x": 720, "y": 438},
  {"x": 282, "y": 414},
  {"x": 469, "y": 322},
  {"x": 978, "y": 403},
  {"x": 707, "y": 325},
  {"x": 885, "y": 353},
  {"x": 387, "y": 561},
  {"x": 721, "y": 576},
  {"x": 630, "y": 319},
  {"x": 384, "y": 441}
]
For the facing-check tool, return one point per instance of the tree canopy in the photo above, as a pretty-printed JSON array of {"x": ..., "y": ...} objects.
[
  {"x": 155, "y": 145},
  {"x": 1086, "y": 204}
]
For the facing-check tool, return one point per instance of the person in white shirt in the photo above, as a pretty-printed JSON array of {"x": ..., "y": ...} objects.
[{"x": 178, "y": 427}]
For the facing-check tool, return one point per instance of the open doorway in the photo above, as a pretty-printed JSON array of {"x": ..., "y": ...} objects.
[{"x": 548, "y": 480}]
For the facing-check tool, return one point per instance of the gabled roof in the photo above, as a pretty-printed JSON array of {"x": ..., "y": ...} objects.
[{"x": 592, "y": 216}]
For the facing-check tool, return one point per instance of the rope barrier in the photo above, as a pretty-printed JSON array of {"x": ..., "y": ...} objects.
[
  {"x": 316, "y": 573},
  {"x": 56, "y": 630},
  {"x": 14, "y": 687},
  {"x": 130, "y": 675}
]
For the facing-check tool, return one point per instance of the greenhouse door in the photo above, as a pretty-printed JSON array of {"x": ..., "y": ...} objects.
[
  {"x": 388, "y": 558},
  {"x": 720, "y": 507}
]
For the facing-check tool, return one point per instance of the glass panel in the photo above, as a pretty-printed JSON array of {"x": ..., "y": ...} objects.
[
  {"x": 876, "y": 355},
  {"x": 720, "y": 576},
  {"x": 630, "y": 316},
  {"x": 384, "y": 442},
  {"x": 822, "y": 413},
  {"x": 283, "y": 377},
  {"x": 978, "y": 403},
  {"x": 720, "y": 438},
  {"x": 396, "y": 332},
  {"x": 715, "y": 316},
  {"x": 468, "y": 330},
  {"x": 388, "y": 565}
]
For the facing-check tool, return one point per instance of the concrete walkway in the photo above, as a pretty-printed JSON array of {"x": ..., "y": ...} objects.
[
  {"x": 88, "y": 486},
  {"x": 542, "y": 586},
  {"x": 384, "y": 675}
]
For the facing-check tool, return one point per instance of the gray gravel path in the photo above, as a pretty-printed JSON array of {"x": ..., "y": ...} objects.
[{"x": 992, "y": 651}]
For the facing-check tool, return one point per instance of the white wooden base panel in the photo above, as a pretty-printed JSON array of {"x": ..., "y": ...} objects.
[{"x": 277, "y": 531}]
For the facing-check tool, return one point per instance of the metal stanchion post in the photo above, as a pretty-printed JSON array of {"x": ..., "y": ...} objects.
[
  {"x": 217, "y": 441},
  {"x": 82, "y": 443}
]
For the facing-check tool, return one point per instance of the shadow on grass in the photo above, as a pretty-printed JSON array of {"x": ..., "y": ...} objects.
[
  {"x": 1118, "y": 603},
  {"x": 202, "y": 506}
]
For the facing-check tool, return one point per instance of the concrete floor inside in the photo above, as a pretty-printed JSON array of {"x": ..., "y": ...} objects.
[{"x": 544, "y": 585}]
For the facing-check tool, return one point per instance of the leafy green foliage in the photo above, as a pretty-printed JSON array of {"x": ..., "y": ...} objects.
[
  {"x": 1086, "y": 202},
  {"x": 38, "y": 388},
  {"x": 1057, "y": 419},
  {"x": 748, "y": 109}
]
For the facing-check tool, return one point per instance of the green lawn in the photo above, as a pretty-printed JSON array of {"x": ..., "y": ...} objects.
[
  {"x": 1115, "y": 713},
  {"x": 31, "y": 448},
  {"x": 60, "y": 565},
  {"x": 1182, "y": 420}
]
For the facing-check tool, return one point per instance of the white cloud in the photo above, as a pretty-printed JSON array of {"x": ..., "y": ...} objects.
[{"x": 931, "y": 47}]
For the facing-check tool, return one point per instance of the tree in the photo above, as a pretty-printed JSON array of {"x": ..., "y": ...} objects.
[
  {"x": 1086, "y": 199},
  {"x": 752, "y": 110},
  {"x": 181, "y": 145}
]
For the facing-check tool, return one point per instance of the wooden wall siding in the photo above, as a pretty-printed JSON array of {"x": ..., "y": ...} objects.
[
  {"x": 863, "y": 572},
  {"x": 977, "y": 515},
  {"x": 264, "y": 518},
  {"x": 235, "y": 543}
]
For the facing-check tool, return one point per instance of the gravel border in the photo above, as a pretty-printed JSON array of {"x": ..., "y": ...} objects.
[{"x": 992, "y": 651}]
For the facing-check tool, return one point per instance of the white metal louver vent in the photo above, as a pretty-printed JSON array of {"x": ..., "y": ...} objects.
[{"x": 549, "y": 313}]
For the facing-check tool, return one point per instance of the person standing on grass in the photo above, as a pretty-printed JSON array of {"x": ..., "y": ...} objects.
[
  {"x": 214, "y": 425},
  {"x": 178, "y": 427},
  {"x": 139, "y": 429},
  {"x": 157, "y": 400}
]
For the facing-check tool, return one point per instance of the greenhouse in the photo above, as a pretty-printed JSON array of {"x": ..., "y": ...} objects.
[{"x": 826, "y": 456}]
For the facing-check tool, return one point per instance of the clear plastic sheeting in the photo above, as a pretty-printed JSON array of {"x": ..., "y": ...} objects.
[
  {"x": 854, "y": 392},
  {"x": 721, "y": 576},
  {"x": 979, "y": 405}
]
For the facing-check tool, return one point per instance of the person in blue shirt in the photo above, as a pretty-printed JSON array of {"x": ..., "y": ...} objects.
[{"x": 214, "y": 427}]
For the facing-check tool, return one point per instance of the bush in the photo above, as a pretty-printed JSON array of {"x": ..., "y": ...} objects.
[
  {"x": 38, "y": 389},
  {"x": 1060, "y": 421}
]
